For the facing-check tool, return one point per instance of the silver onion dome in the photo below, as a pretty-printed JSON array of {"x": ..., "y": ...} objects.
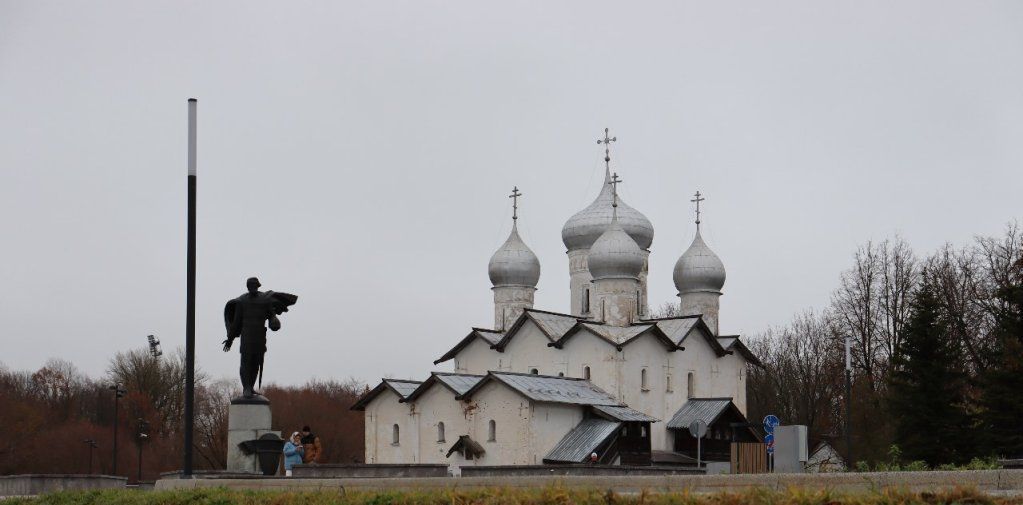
[
  {"x": 615, "y": 254},
  {"x": 583, "y": 229},
  {"x": 514, "y": 263},
  {"x": 699, "y": 269}
]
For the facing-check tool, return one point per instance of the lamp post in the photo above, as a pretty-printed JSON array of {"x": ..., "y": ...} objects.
[
  {"x": 848, "y": 402},
  {"x": 186, "y": 470},
  {"x": 119, "y": 392},
  {"x": 143, "y": 435},
  {"x": 154, "y": 346},
  {"x": 92, "y": 445}
]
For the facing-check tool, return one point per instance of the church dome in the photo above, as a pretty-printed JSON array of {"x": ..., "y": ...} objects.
[
  {"x": 582, "y": 230},
  {"x": 699, "y": 269},
  {"x": 514, "y": 263},
  {"x": 615, "y": 254}
]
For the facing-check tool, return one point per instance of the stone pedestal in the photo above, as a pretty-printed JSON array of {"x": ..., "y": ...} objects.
[{"x": 246, "y": 420}]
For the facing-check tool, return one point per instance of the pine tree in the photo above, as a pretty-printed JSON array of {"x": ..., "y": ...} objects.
[
  {"x": 927, "y": 389},
  {"x": 1002, "y": 381}
]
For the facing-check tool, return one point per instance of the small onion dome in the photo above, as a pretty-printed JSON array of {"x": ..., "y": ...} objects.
[
  {"x": 514, "y": 264},
  {"x": 615, "y": 254},
  {"x": 583, "y": 229},
  {"x": 699, "y": 269}
]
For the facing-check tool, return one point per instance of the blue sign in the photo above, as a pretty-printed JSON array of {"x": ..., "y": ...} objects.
[
  {"x": 769, "y": 440},
  {"x": 770, "y": 422}
]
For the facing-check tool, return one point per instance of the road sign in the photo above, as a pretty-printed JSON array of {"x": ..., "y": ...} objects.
[
  {"x": 698, "y": 428},
  {"x": 769, "y": 439},
  {"x": 770, "y": 422}
]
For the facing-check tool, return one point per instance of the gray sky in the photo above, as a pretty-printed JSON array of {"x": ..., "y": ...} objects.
[{"x": 360, "y": 154}]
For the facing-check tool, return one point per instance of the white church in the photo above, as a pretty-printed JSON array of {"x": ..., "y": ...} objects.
[{"x": 606, "y": 383}]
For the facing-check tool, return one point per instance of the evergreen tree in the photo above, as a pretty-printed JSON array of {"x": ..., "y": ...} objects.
[
  {"x": 927, "y": 389},
  {"x": 1002, "y": 381}
]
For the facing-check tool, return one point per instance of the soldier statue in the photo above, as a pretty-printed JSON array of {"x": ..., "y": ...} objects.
[{"x": 247, "y": 317}]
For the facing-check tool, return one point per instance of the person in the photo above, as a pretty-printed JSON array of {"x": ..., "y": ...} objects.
[
  {"x": 311, "y": 443},
  {"x": 293, "y": 451},
  {"x": 593, "y": 457}
]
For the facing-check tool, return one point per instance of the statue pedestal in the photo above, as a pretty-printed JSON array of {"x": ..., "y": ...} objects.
[{"x": 247, "y": 419}]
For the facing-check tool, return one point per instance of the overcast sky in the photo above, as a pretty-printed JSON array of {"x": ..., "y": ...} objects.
[{"x": 360, "y": 156}]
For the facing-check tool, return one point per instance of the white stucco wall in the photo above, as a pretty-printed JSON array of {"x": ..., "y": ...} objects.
[
  {"x": 512, "y": 413},
  {"x": 438, "y": 405},
  {"x": 381, "y": 415}
]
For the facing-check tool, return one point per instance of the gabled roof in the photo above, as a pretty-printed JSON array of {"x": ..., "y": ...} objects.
[
  {"x": 468, "y": 447},
  {"x": 617, "y": 336},
  {"x": 627, "y": 414},
  {"x": 706, "y": 409},
  {"x": 734, "y": 344},
  {"x": 548, "y": 389},
  {"x": 552, "y": 324},
  {"x": 402, "y": 388},
  {"x": 584, "y": 439},
  {"x": 491, "y": 337},
  {"x": 679, "y": 328},
  {"x": 457, "y": 383}
]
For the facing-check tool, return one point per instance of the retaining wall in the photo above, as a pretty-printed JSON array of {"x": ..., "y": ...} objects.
[
  {"x": 370, "y": 471},
  {"x": 33, "y": 484},
  {"x": 530, "y": 470}
]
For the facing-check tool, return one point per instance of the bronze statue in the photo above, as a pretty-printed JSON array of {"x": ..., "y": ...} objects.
[{"x": 247, "y": 317}]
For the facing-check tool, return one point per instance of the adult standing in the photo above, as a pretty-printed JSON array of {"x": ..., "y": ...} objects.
[
  {"x": 311, "y": 443},
  {"x": 293, "y": 452}
]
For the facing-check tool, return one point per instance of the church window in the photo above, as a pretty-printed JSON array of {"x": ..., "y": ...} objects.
[
  {"x": 639, "y": 303},
  {"x": 642, "y": 431},
  {"x": 561, "y": 374},
  {"x": 440, "y": 431},
  {"x": 691, "y": 385},
  {"x": 586, "y": 372},
  {"x": 394, "y": 435},
  {"x": 586, "y": 301},
  {"x": 492, "y": 431},
  {"x": 643, "y": 381},
  {"x": 534, "y": 371},
  {"x": 667, "y": 383}
]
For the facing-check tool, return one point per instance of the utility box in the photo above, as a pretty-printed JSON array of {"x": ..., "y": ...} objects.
[{"x": 790, "y": 449}]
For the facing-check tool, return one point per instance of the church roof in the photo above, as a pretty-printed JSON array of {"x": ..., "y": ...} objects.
[
  {"x": 577, "y": 445},
  {"x": 621, "y": 413},
  {"x": 548, "y": 389},
  {"x": 553, "y": 325},
  {"x": 491, "y": 337},
  {"x": 616, "y": 335},
  {"x": 402, "y": 388},
  {"x": 679, "y": 328},
  {"x": 457, "y": 383},
  {"x": 706, "y": 409},
  {"x": 733, "y": 344}
]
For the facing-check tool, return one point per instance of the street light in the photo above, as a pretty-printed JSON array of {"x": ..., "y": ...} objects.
[
  {"x": 92, "y": 445},
  {"x": 848, "y": 402},
  {"x": 154, "y": 347},
  {"x": 143, "y": 435},
  {"x": 119, "y": 393}
]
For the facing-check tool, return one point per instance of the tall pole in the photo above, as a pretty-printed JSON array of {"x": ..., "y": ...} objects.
[
  {"x": 118, "y": 393},
  {"x": 190, "y": 299},
  {"x": 848, "y": 404}
]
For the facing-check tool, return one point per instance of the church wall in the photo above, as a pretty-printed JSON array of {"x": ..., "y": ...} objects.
[
  {"x": 478, "y": 358},
  {"x": 585, "y": 349},
  {"x": 528, "y": 349},
  {"x": 647, "y": 353},
  {"x": 550, "y": 423},
  {"x": 511, "y": 413},
  {"x": 381, "y": 415},
  {"x": 436, "y": 405}
]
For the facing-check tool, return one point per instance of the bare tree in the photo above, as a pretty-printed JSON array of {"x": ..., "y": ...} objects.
[
  {"x": 856, "y": 311},
  {"x": 899, "y": 277}
]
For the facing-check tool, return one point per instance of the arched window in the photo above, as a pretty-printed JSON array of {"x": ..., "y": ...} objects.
[
  {"x": 492, "y": 431},
  {"x": 642, "y": 380},
  {"x": 394, "y": 435},
  {"x": 534, "y": 371},
  {"x": 440, "y": 431},
  {"x": 690, "y": 385},
  {"x": 667, "y": 383},
  {"x": 586, "y": 301},
  {"x": 561, "y": 374},
  {"x": 586, "y": 372},
  {"x": 639, "y": 303}
]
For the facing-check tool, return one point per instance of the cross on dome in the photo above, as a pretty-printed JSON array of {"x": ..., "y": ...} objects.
[
  {"x": 607, "y": 147},
  {"x": 515, "y": 202},
  {"x": 698, "y": 199},
  {"x": 615, "y": 180}
]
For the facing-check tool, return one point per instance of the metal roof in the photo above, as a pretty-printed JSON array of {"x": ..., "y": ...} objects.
[
  {"x": 707, "y": 409},
  {"x": 727, "y": 342},
  {"x": 582, "y": 229},
  {"x": 544, "y": 388},
  {"x": 578, "y": 444},
  {"x": 403, "y": 388},
  {"x": 554, "y": 325},
  {"x": 677, "y": 329},
  {"x": 624, "y": 413},
  {"x": 617, "y": 334},
  {"x": 458, "y": 382},
  {"x": 491, "y": 336}
]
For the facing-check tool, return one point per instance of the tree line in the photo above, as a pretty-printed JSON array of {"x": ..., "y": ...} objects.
[
  {"x": 50, "y": 415},
  {"x": 937, "y": 355}
]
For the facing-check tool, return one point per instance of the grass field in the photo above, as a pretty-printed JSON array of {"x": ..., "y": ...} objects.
[{"x": 498, "y": 496}]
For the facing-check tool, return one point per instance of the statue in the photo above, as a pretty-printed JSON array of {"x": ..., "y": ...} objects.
[{"x": 247, "y": 317}]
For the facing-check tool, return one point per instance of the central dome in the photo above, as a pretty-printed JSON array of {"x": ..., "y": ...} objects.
[{"x": 583, "y": 229}]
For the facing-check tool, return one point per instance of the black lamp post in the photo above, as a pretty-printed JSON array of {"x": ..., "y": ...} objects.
[
  {"x": 92, "y": 445},
  {"x": 143, "y": 435},
  {"x": 119, "y": 393},
  {"x": 186, "y": 470},
  {"x": 848, "y": 403}
]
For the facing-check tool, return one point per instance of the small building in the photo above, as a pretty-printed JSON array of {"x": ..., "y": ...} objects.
[{"x": 824, "y": 458}]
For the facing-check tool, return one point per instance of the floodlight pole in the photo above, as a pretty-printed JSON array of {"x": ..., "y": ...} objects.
[
  {"x": 848, "y": 404},
  {"x": 186, "y": 471}
]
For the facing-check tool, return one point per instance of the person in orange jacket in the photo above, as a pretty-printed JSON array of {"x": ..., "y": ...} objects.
[{"x": 311, "y": 442}]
